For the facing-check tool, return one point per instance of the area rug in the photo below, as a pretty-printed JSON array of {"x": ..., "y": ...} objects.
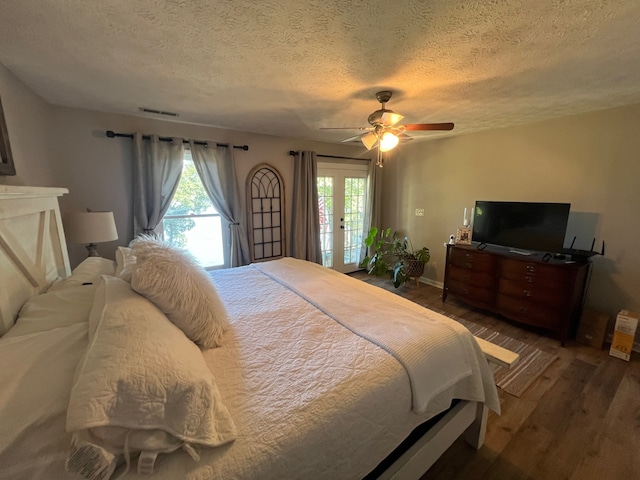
[{"x": 531, "y": 364}]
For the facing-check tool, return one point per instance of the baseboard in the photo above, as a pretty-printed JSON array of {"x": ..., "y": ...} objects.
[{"x": 433, "y": 283}]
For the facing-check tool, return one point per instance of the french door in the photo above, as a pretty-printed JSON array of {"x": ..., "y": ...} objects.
[{"x": 342, "y": 191}]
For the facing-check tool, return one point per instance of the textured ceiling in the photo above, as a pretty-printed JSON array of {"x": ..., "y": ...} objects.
[{"x": 289, "y": 67}]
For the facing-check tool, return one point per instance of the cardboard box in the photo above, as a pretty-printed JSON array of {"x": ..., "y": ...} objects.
[
  {"x": 592, "y": 328},
  {"x": 623, "y": 334}
]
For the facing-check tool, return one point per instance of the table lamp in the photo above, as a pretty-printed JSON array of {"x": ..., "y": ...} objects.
[{"x": 92, "y": 228}]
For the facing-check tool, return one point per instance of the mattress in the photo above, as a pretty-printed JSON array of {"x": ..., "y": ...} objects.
[{"x": 310, "y": 397}]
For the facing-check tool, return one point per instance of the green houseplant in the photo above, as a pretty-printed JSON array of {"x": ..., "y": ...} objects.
[{"x": 392, "y": 254}]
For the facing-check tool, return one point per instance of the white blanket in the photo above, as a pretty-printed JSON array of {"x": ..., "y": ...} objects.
[{"x": 435, "y": 354}]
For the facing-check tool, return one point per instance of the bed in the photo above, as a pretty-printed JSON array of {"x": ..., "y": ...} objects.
[{"x": 316, "y": 375}]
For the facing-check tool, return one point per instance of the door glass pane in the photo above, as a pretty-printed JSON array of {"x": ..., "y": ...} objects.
[
  {"x": 325, "y": 208},
  {"x": 354, "y": 204}
]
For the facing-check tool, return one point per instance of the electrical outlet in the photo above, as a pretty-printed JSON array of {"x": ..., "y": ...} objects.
[{"x": 419, "y": 212}]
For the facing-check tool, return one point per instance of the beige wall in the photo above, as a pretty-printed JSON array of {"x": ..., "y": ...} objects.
[
  {"x": 28, "y": 122},
  {"x": 590, "y": 161}
]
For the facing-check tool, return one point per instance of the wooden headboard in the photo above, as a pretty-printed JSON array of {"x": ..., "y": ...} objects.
[{"x": 33, "y": 250}]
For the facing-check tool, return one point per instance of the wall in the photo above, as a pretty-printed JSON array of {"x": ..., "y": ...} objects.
[
  {"x": 28, "y": 121},
  {"x": 587, "y": 160}
]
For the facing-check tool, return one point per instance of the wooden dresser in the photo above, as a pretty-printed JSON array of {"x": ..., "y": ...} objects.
[{"x": 547, "y": 294}]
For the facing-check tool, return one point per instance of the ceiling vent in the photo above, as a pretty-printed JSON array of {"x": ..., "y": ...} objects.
[{"x": 157, "y": 112}]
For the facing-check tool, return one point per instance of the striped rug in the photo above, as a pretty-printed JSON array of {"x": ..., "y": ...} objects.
[{"x": 531, "y": 364}]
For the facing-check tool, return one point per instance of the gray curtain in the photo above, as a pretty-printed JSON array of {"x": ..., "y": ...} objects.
[
  {"x": 305, "y": 224},
  {"x": 372, "y": 208},
  {"x": 216, "y": 167},
  {"x": 156, "y": 173}
]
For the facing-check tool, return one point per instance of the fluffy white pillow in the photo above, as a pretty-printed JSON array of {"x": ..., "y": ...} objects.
[
  {"x": 175, "y": 282},
  {"x": 125, "y": 259},
  {"x": 89, "y": 271}
]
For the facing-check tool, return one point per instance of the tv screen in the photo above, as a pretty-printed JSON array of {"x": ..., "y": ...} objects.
[{"x": 521, "y": 225}]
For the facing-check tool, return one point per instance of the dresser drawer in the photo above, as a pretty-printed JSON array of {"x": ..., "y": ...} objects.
[
  {"x": 471, "y": 277},
  {"x": 473, "y": 260},
  {"x": 533, "y": 292},
  {"x": 534, "y": 273},
  {"x": 529, "y": 312},
  {"x": 471, "y": 293}
]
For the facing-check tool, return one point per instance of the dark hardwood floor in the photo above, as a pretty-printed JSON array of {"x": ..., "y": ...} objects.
[{"x": 579, "y": 420}]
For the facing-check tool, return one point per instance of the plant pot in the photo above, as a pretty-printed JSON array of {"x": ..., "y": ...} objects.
[{"x": 414, "y": 268}]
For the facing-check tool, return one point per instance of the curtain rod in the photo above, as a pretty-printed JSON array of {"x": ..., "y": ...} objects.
[
  {"x": 293, "y": 152},
  {"x": 112, "y": 134}
]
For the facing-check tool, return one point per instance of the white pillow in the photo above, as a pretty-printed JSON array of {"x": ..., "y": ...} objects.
[
  {"x": 50, "y": 310},
  {"x": 89, "y": 271},
  {"x": 125, "y": 259},
  {"x": 141, "y": 386},
  {"x": 175, "y": 282}
]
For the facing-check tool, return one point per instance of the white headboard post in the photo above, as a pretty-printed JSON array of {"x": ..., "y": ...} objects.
[{"x": 33, "y": 250}]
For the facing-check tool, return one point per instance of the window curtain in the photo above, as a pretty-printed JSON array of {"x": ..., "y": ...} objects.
[
  {"x": 156, "y": 173},
  {"x": 372, "y": 207},
  {"x": 216, "y": 167},
  {"x": 305, "y": 225}
]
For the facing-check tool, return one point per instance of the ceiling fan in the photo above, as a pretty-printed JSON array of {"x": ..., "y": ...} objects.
[{"x": 384, "y": 132}]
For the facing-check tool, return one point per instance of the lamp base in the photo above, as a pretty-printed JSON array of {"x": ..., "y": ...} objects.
[{"x": 92, "y": 248}]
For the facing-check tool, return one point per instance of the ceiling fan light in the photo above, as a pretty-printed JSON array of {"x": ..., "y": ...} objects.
[
  {"x": 388, "y": 141},
  {"x": 391, "y": 118},
  {"x": 369, "y": 140}
]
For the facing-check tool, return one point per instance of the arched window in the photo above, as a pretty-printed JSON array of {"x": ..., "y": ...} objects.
[{"x": 265, "y": 191}]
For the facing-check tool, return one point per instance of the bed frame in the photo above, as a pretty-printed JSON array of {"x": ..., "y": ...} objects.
[
  {"x": 33, "y": 251},
  {"x": 33, "y": 254}
]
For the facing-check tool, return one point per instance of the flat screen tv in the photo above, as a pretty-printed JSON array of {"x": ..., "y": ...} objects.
[{"x": 521, "y": 225}]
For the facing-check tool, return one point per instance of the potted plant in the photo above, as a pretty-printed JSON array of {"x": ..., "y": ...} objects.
[{"x": 392, "y": 254}]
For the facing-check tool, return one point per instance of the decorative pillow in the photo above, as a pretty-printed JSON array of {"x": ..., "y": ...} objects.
[
  {"x": 175, "y": 282},
  {"x": 89, "y": 271},
  {"x": 125, "y": 259}
]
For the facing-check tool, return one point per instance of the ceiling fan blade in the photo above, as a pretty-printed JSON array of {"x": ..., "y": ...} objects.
[
  {"x": 403, "y": 137},
  {"x": 355, "y": 138},
  {"x": 429, "y": 126}
]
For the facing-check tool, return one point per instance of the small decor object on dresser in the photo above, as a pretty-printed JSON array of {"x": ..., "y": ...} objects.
[{"x": 463, "y": 236}]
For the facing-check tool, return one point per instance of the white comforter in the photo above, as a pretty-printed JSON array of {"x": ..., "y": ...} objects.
[{"x": 309, "y": 398}]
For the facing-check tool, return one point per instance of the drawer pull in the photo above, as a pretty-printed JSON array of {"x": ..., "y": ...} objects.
[
  {"x": 527, "y": 293},
  {"x": 529, "y": 278},
  {"x": 531, "y": 268},
  {"x": 469, "y": 255},
  {"x": 523, "y": 309},
  {"x": 468, "y": 265}
]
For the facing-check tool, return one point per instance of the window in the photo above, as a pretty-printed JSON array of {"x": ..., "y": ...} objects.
[{"x": 192, "y": 221}]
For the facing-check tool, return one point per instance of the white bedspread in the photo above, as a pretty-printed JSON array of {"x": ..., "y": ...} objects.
[{"x": 435, "y": 354}]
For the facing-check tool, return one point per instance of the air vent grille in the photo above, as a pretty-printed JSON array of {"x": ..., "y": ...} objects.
[{"x": 158, "y": 112}]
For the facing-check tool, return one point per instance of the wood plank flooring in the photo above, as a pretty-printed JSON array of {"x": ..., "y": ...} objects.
[{"x": 579, "y": 420}]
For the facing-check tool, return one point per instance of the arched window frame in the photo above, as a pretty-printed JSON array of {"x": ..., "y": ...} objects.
[{"x": 266, "y": 206}]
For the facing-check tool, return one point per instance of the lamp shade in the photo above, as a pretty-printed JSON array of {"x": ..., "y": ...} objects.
[
  {"x": 91, "y": 227},
  {"x": 388, "y": 141}
]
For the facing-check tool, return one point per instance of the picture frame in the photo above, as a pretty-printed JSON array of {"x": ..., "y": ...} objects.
[
  {"x": 463, "y": 236},
  {"x": 6, "y": 158}
]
